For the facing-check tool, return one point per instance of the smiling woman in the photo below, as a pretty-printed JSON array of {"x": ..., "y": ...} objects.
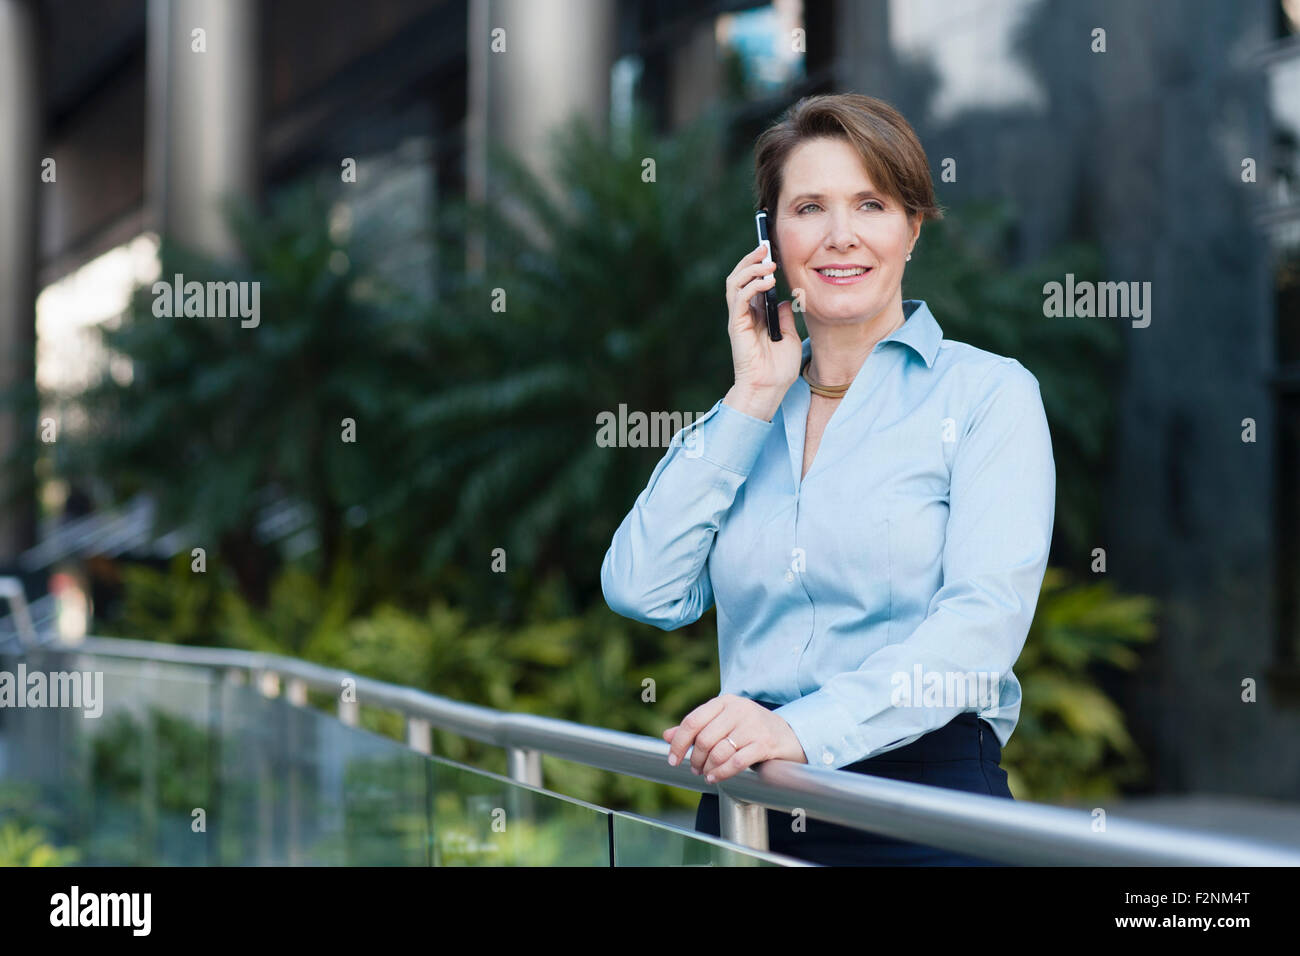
[
  {"x": 849, "y": 186},
  {"x": 889, "y": 528}
]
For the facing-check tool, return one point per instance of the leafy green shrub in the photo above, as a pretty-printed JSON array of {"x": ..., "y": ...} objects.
[
  {"x": 26, "y": 825},
  {"x": 1071, "y": 742},
  {"x": 592, "y": 668},
  {"x": 29, "y": 846}
]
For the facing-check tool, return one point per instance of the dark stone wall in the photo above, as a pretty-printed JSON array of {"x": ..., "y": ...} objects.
[{"x": 1139, "y": 149}]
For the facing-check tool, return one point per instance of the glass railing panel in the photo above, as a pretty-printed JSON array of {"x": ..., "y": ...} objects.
[
  {"x": 483, "y": 819},
  {"x": 300, "y": 788},
  {"x": 641, "y": 841},
  {"x": 116, "y": 780},
  {"x": 189, "y": 766}
]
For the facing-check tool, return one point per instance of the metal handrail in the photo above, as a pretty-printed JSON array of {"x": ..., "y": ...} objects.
[{"x": 994, "y": 828}]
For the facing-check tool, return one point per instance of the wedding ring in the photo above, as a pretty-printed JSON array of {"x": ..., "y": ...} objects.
[{"x": 732, "y": 742}]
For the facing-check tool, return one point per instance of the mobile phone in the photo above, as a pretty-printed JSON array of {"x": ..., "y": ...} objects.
[{"x": 773, "y": 313}]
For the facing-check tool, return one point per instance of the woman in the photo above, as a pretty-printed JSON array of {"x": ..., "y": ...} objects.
[{"x": 870, "y": 509}]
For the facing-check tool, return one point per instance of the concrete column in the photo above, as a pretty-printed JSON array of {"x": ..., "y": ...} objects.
[
  {"x": 863, "y": 54},
  {"x": 20, "y": 178},
  {"x": 202, "y": 129},
  {"x": 555, "y": 62},
  {"x": 695, "y": 73}
]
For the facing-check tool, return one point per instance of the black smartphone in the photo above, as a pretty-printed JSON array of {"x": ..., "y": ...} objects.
[{"x": 773, "y": 313}]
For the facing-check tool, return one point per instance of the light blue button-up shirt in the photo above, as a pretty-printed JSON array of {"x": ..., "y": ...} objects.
[{"x": 892, "y": 587}]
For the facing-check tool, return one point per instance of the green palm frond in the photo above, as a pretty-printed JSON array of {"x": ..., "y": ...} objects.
[{"x": 1071, "y": 741}]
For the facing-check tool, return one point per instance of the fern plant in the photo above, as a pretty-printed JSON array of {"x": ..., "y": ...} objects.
[
  {"x": 1071, "y": 742},
  {"x": 217, "y": 419}
]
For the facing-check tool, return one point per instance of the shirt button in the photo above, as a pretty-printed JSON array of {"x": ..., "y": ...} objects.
[
  {"x": 827, "y": 757},
  {"x": 789, "y": 575}
]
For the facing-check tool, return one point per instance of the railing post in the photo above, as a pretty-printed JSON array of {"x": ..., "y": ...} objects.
[
  {"x": 349, "y": 712},
  {"x": 149, "y": 761},
  {"x": 743, "y": 823},
  {"x": 294, "y": 837},
  {"x": 296, "y": 691},
  {"x": 268, "y": 683},
  {"x": 524, "y": 765},
  {"x": 419, "y": 735},
  {"x": 260, "y": 767}
]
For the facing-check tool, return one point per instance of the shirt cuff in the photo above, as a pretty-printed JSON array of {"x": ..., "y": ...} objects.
[
  {"x": 726, "y": 437},
  {"x": 828, "y": 733}
]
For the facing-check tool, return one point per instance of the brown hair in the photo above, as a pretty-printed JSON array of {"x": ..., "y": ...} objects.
[{"x": 887, "y": 144}]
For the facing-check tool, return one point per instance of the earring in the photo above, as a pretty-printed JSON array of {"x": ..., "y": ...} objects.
[{"x": 909, "y": 257}]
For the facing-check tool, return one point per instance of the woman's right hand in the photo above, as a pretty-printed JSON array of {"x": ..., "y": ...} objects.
[{"x": 764, "y": 369}]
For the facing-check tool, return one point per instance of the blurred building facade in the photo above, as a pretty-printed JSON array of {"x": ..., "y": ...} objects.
[{"x": 1140, "y": 147}]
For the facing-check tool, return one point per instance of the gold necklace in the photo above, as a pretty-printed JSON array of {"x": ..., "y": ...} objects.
[{"x": 826, "y": 391}]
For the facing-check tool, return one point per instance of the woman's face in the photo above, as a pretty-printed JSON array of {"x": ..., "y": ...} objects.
[{"x": 830, "y": 214}]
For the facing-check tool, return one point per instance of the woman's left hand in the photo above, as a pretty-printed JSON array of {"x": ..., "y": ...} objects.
[{"x": 758, "y": 733}]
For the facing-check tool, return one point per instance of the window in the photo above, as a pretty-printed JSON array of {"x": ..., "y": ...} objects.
[{"x": 759, "y": 45}]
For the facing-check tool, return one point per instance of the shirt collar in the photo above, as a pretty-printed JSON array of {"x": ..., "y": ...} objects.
[{"x": 919, "y": 331}]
